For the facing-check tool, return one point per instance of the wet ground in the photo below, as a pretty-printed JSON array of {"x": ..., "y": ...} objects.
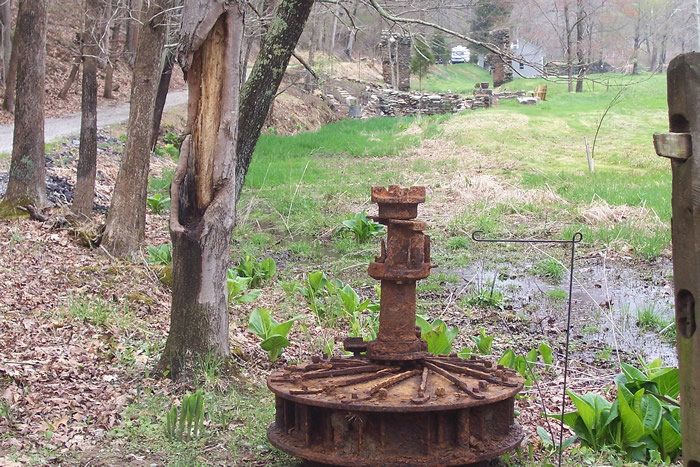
[{"x": 616, "y": 307}]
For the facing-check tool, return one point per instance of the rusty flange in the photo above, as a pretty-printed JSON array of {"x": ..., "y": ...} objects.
[{"x": 392, "y": 403}]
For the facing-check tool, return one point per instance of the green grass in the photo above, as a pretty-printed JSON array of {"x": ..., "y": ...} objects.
[
  {"x": 459, "y": 78},
  {"x": 549, "y": 269},
  {"x": 542, "y": 147},
  {"x": 303, "y": 180}
]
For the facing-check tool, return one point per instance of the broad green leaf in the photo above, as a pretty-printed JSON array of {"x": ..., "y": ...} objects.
[
  {"x": 259, "y": 323},
  {"x": 274, "y": 341},
  {"x": 249, "y": 297},
  {"x": 465, "y": 353},
  {"x": 349, "y": 298},
  {"x": 633, "y": 374},
  {"x": 451, "y": 334},
  {"x": 531, "y": 356},
  {"x": 283, "y": 328},
  {"x": 545, "y": 437},
  {"x": 317, "y": 280},
  {"x": 632, "y": 427},
  {"x": 585, "y": 410},
  {"x": 440, "y": 345},
  {"x": 423, "y": 324},
  {"x": 651, "y": 412},
  {"x": 546, "y": 352},
  {"x": 363, "y": 306},
  {"x": 611, "y": 415},
  {"x": 670, "y": 439},
  {"x": 269, "y": 267},
  {"x": 508, "y": 359},
  {"x": 666, "y": 380}
]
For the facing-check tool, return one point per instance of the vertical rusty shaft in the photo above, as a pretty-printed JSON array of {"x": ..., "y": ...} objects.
[
  {"x": 404, "y": 259},
  {"x": 399, "y": 324}
]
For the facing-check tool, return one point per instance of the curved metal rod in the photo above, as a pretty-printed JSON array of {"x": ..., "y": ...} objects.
[{"x": 578, "y": 236}]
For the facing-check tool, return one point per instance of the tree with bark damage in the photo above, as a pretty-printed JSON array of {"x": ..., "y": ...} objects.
[
  {"x": 223, "y": 126},
  {"x": 27, "y": 183}
]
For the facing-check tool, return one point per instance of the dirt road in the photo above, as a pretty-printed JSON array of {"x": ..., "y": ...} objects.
[{"x": 70, "y": 124}]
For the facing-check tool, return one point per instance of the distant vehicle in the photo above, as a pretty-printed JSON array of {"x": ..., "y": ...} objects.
[{"x": 460, "y": 54}]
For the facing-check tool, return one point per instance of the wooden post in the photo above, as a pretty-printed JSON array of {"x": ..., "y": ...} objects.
[{"x": 684, "y": 118}]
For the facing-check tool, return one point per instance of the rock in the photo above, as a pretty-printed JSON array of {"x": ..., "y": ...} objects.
[{"x": 527, "y": 100}]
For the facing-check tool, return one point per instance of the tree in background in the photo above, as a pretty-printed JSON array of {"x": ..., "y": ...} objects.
[
  {"x": 87, "y": 161},
  {"x": 125, "y": 228},
  {"x": 223, "y": 126},
  {"x": 438, "y": 45},
  {"x": 10, "y": 76},
  {"x": 421, "y": 60},
  {"x": 27, "y": 184}
]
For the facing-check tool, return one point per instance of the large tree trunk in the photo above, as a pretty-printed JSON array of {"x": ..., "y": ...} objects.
[
  {"x": 216, "y": 151},
  {"x": 6, "y": 38},
  {"x": 203, "y": 191},
  {"x": 162, "y": 95},
  {"x": 579, "y": 45},
  {"x": 27, "y": 184},
  {"x": 87, "y": 161},
  {"x": 8, "y": 102},
  {"x": 126, "y": 220},
  {"x": 259, "y": 91}
]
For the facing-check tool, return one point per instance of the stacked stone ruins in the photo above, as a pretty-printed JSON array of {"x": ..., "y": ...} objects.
[
  {"x": 502, "y": 73},
  {"x": 396, "y": 60}
]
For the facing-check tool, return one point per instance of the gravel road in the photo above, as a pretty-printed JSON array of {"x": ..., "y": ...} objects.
[{"x": 70, "y": 124}]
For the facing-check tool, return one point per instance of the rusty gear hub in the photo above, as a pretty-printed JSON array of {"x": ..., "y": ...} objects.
[{"x": 393, "y": 403}]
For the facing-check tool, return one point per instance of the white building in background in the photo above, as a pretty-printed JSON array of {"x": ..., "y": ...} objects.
[
  {"x": 460, "y": 54},
  {"x": 529, "y": 53}
]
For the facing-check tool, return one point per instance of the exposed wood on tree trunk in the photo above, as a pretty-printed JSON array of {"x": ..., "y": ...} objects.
[
  {"x": 84, "y": 191},
  {"x": 202, "y": 212},
  {"x": 204, "y": 187},
  {"x": 260, "y": 89},
  {"x": 27, "y": 184},
  {"x": 124, "y": 232}
]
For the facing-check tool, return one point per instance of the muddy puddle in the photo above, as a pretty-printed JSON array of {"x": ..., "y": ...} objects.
[{"x": 615, "y": 306}]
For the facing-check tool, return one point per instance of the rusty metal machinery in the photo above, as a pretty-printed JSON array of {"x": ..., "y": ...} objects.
[{"x": 392, "y": 403}]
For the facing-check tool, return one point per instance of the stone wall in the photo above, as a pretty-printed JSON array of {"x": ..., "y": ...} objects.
[
  {"x": 396, "y": 60},
  {"x": 502, "y": 73}
]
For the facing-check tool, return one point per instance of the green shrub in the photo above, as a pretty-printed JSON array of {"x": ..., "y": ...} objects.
[
  {"x": 362, "y": 227},
  {"x": 190, "y": 422},
  {"x": 273, "y": 334}
]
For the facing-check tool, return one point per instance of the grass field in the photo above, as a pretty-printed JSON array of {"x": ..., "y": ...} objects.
[{"x": 625, "y": 202}]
